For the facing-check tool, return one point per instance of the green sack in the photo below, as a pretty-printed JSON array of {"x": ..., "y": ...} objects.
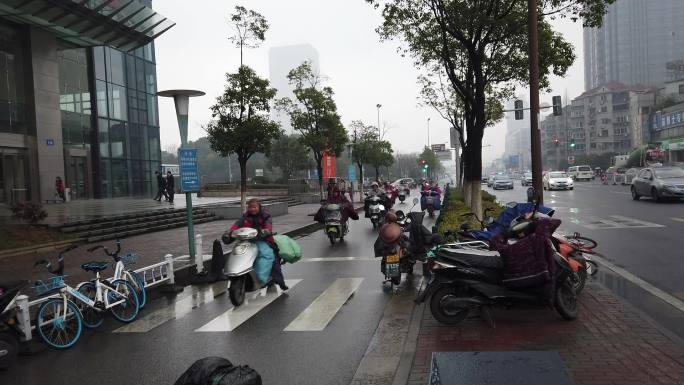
[{"x": 288, "y": 248}]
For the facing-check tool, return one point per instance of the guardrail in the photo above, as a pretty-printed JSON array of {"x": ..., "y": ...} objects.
[{"x": 153, "y": 275}]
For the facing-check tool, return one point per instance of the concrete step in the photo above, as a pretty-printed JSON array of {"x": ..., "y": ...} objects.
[
  {"x": 124, "y": 234},
  {"x": 132, "y": 217},
  {"x": 142, "y": 225},
  {"x": 130, "y": 220}
]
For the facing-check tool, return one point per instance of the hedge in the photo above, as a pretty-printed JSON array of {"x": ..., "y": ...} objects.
[{"x": 453, "y": 207}]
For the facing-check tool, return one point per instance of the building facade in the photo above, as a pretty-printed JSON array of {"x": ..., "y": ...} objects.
[
  {"x": 518, "y": 140},
  {"x": 78, "y": 99},
  {"x": 610, "y": 119},
  {"x": 636, "y": 40},
  {"x": 667, "y": 130},
  {"x": 554, "y": 143},
  {"x": 281, "y": 60}
]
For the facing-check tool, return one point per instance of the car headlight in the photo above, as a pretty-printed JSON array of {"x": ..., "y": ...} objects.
[{"x": 670, "y": 187}]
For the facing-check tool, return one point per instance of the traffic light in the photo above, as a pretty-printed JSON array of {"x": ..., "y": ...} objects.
[
  {"x": 556, "y": 141},
  {"x": 557, "y": 107},
  {"x": 518, "y": 105},
  {"x": 572, "y": 144}
]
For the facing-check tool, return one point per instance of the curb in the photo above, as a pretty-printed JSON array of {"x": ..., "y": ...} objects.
[
  {"x": 39, "y": 248},
  {"x": 408, "y": 354}
]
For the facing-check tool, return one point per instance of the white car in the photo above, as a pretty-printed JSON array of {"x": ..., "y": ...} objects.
[
  {"x": 557, "y": 180},
  {"x": 581, "y": 173}
]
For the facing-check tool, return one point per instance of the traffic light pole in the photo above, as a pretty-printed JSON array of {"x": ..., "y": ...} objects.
[{"x": 535, "y": 134}]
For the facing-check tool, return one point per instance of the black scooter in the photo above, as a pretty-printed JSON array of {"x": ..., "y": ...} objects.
[{"x": 466, "y": 278}]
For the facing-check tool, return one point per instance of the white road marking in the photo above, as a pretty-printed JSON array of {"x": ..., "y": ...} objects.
[
  {"x": 236, "y": 316},
  {"x": 337, "y": 259},
  {"x": 178, "y": 309},
  {"x": 617, "y": 222},
  {"x": 322, "y": 310},
  {"x": 670, "y": 299},
  {"x": 678, "y": 219},
  {"x": 621, "y": 192},
  {"x": 632, "y": 221}
]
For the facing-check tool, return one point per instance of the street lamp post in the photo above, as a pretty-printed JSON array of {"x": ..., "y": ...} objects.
[
  {"x": 378, "y": 107},
  {"x": 181, "y": 99},
  {"x": 535, "y": 134}
]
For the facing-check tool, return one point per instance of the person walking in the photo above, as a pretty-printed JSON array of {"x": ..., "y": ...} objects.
[
  {"x": 161, "y": 188},
  {"x": 170, "y": 186},
  {"x": 59, "y": 186}
]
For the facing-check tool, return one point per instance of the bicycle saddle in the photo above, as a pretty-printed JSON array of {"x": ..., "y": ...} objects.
[{"x": 95, "y": 266}]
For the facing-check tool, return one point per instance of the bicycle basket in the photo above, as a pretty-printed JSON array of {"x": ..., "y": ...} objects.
[
  {"x": 42, "y": 287},
  {"x": 129, "y": 259}
]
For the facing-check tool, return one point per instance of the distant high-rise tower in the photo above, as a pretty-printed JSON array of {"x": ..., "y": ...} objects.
[
  {"x": 637, "y": 39},
  {"x": 281, "y": 60}
]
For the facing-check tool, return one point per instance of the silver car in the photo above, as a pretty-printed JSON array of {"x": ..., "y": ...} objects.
[
  {"x": 630, "y": 175},
  {"x": 659, "y": 183},
  {"x": 502, "y": 182}
]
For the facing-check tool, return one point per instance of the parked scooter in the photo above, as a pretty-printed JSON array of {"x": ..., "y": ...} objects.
[
  {"x": 334, "y": 227},
  {"x": 10, "y": 333},
  {"x": 430, "y": 201},
  {"x": 240, "y": 264},
  {"x": 466, "y": 278}
]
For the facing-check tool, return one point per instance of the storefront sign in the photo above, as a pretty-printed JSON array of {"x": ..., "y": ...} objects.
[
  {"x": 189, "y": 170},
  {"x": 661, "y": 121}
]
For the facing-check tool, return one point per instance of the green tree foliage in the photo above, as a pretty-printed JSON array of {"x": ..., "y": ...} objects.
[
  {"x": 482, "y": 48},
  {"x": 289, "y": 155},
  {"x": 250, "y": 29},
  {"x": 313, "y": 113},
  {"x": 240, "y": 121}
]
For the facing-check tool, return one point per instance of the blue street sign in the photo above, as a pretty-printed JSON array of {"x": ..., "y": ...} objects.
[
  {"x": 50, "y": 142},
  {"x": 189, "y": 170},
  {"x": 351, "y": 173}
]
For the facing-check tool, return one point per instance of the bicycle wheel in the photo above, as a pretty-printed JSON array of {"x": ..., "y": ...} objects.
[
  {"x": 139, "y": 285},
  {"x": 585, "y": 243},
  {"x": 92, "y": 317},
  {"x": 126, "y": 310},
  {"x": 60, "y": 328}
]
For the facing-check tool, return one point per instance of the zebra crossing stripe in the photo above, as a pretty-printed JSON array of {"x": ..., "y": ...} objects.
[
  {"x": 236, "y": 316},
  {"x": 322, "y": 310},
  {"x": 178, "y": 309}
]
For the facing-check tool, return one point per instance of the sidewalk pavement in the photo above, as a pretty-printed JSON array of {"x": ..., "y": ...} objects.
[
  {"x": 59, "y": 213},
  {"x": 611, "y": 343},
  {"x": 150, "y": 248}
]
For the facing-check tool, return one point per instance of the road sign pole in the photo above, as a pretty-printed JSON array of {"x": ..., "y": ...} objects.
[{"x": 181, "y": 100}]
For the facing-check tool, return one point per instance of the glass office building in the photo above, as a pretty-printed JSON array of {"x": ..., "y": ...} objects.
[{"x": 77, "y": 98}]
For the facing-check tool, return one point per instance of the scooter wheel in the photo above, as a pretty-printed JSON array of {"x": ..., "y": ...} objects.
[
  {"x": 580, "y": 280},
  {"x": 9, "y": 349},
  {"x": 236, "y": 292},
  {"x": 566, "y": 301},
  {"x": 396, "y": 280},
  {"x": 443, "y": 311},
  {"x": 332, "y": 238}
]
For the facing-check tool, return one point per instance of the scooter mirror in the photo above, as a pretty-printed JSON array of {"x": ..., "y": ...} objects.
[
  {"x": 488, "y": 221},
  {"x": 415, "y": 201}
]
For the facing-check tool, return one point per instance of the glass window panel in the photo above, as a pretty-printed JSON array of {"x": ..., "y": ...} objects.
[
  {"x": 145, "y": 142},
  {"x": 149, "y": 52},
  {"x": 119, "y": 178},
  {"x": 116, "y": 67},
  {"x": 103, "y": 137},
  {"x": 140, "y": 74},
  {"x": 151, "y": 78},
  {"x": 155, "y": 149},
  {"x": 130, "y": 71},
  {"x": 152, "y": 117},
  {"x": 117, "y": 102},
  {"x": 106, "y": 177},
  {"x": 12, "y": 103},
  {"x": 117, "y": 139},
  {"x": 101, "y": 90},
  {"x": 99, "y": 63},
  {"x": 135, "y": 142}
]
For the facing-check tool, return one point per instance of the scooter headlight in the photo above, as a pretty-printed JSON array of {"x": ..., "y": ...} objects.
[{"x": 241, "y": 248}]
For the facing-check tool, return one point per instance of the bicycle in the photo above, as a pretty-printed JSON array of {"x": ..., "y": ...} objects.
[
  {"x": 121, "y": 271},
  {"x": 91, "y": 298}
]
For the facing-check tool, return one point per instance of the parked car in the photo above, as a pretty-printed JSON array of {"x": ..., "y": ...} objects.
[
  {"x": 557, "y": 180},
  {"x": 407, "y": 182},
  {"x": 503, "y": 182},
  {"x": 630, "y": 175},
  {"x": 526, "y": 179},
  {"x": 581, "y": 173},
  {"x": 485, "y": 178},
  {"x": 659, "y": 183}
]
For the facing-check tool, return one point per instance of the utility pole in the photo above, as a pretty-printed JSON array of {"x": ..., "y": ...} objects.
[
  {"x": 428, "y": 132},
  {"x": 535, "y": 134}
]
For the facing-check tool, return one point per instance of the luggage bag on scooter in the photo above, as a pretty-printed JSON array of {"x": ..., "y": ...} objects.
[
  {"x": 264, "y": 261},
  {"x": 288, "y": 248}
]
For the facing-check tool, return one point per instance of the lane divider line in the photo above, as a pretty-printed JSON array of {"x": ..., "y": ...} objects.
[
  {"x": 666, "y": 297},
  {"x": 322, "y": 310},
  {"x": 678, "y": 219},
  {"x": 236, "y": 316}
]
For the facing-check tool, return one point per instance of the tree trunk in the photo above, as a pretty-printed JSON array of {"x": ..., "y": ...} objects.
[
  {"x": 377, "y": 174},
  {"x": 360, "y": 166},
  {"x": 243, "y": 183},
  {"x": 319, "y": 167}
]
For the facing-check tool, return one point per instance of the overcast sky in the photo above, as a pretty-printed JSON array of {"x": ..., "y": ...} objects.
[{"x": 362, "y": 71}]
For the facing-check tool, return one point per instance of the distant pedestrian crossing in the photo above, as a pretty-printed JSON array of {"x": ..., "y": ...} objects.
[{"x": 315, "y": 317}]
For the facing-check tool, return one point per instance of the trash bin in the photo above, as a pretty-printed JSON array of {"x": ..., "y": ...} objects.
[{"x": 67, "y": 194}]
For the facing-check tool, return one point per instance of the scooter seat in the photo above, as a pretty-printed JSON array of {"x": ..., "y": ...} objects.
[{"x": 473, "y": 257}]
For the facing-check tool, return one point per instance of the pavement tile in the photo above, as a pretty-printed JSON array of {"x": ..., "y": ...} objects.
[{"x": 608, "y": 345}]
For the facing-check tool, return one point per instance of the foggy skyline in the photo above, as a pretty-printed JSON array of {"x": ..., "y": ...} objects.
[{"x": 361, "y": 70}]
